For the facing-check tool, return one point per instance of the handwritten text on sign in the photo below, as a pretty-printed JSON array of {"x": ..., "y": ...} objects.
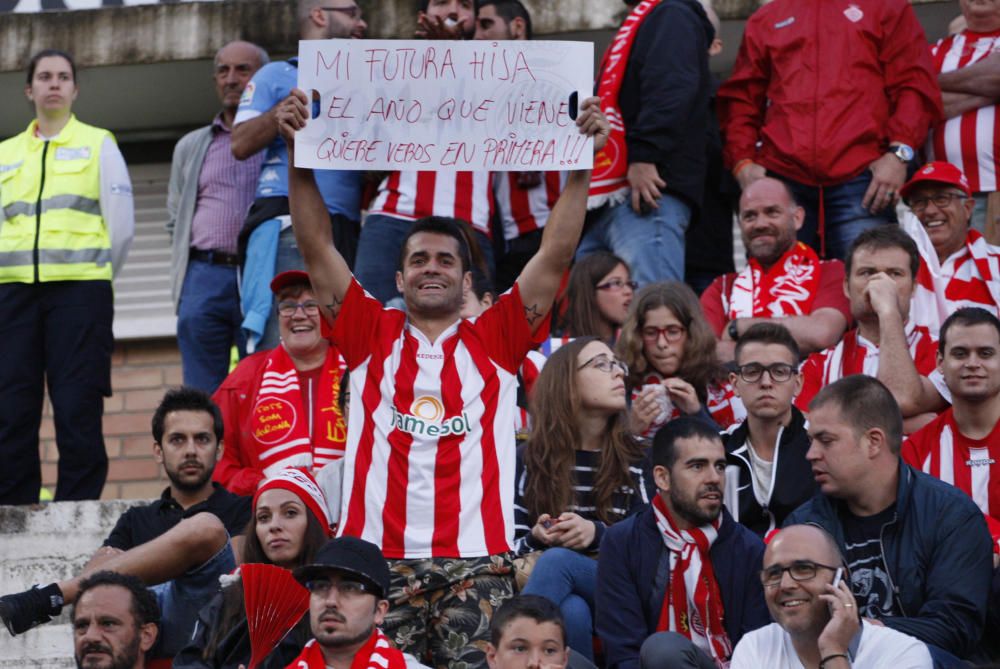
[{"x": 444, "y": 105}]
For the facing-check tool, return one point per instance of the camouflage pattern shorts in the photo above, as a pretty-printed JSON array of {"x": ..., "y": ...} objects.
[{"x": 440, "y": 608}]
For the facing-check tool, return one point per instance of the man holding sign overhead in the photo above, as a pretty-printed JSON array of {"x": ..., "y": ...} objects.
[{"x": 429, "y": 467}]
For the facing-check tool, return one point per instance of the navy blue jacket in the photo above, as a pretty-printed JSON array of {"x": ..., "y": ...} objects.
[
  {"x": 939, "y": 556},
  {"x": 665, "y": 96},
  {"x": 629, "y": 600}
]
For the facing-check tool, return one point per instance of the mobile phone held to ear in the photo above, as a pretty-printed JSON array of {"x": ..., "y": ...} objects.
[{"x": 837, "y": 575}]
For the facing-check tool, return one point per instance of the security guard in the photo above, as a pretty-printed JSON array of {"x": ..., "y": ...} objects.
[{"x": 66, "y": 222}]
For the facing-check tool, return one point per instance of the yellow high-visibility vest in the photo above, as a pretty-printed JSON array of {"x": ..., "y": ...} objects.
[{"x": 51, "y": 227}]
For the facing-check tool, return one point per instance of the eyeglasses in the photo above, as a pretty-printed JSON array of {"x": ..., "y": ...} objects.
[
  {"x": 753, "y": 371},
  {"x": 345, "y": 587},
  {"x": 941, "y": 200},
  {"x": 288, "y": 309},
  {"x": 800, "y": 570},
  {"x": 614, "y": 285},
  {"x": 672, "y": 333},
  {"x": 350, "y": 12},
  {"x": 605, "y": 364}
]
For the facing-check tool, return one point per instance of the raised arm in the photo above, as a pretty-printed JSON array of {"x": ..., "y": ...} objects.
[
  {"x": 328, "y": 271},
  {"x": 251, "y": 136},
  {"x": 540, "y": 278}
]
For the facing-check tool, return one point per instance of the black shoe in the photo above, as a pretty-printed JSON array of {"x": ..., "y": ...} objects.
[{"x": 31, "y": 608}]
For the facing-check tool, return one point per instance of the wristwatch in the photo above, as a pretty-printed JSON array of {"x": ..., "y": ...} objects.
[
  {"x": 733, "y": 330},
  {"x": 904, "y": 152}
]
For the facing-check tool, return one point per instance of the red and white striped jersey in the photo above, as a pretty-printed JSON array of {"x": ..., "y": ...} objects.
[
  {"x": 466, "y": 196},
  {"x": 530, "y": 369},
  {"x": 722, "y": 404},
  {"x": 941, "y": 450},
  {"x": 856, "y": 355},
  {"x": 429, "y": 468},
  {"x": 523, "y": 210},
  {"x": 970, "y": 142}
]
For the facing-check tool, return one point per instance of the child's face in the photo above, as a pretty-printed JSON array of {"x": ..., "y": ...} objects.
[{"x": 528, "y": 644}]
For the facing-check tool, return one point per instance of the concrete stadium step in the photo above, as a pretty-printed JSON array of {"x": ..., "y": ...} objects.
[{"x": 42, "y": 544}]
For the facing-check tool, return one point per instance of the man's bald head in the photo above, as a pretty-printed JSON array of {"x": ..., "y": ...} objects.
[
  {"x": 769, "y": 220},
  {"x": 811, "y": 535}
]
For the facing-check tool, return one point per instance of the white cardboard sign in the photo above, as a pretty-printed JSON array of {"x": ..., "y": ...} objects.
[{"x": 444, "y": 105}]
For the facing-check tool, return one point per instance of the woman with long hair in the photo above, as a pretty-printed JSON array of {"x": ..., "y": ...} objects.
[
  {"x": 673, "y": 368},
  {"x": 288, "y": 525},
  {"x": 598, "y": 294},
  {"x": 580, "y": 471}
]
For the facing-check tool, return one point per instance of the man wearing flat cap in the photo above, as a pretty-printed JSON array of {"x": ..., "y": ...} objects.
[{"x": 348, "y": 582}]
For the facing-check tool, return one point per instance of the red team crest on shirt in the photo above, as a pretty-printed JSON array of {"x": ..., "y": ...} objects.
[{"x": 854, "y": 13}]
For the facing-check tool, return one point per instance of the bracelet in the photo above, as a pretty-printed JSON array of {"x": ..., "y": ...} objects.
[
  {"x": 822, "y": 663},
  {"x": 738, "y": 167}
]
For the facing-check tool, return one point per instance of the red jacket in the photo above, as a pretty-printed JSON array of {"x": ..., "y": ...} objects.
[
  {"x": 826, "y": 85},
  {"x": 239, "y": 469}
]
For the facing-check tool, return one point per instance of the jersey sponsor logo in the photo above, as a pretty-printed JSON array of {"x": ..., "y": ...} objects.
[
  {"x": 270, "y": 175},
  {"x": 431, "y": 356},
  {"x": 426, "y": 419},
  {"x": 980, "y": 462},
  {"x": 854, "y": 13},
  {"x": 247, "y": 96},
  {"x": 73, "y": 153},
  {"x": 784, "y": 24}
]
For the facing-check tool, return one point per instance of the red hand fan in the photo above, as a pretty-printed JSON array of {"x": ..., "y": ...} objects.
[{"x": 275, "y": 602}]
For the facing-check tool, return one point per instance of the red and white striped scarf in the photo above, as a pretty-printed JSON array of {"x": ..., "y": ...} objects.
[
  {"x": 609, "y": 183},
  {"x": 281, "y": 424},
  {"x": 377, "y": 653},
  {"x": 692, "y": 605},
  {"x": 788, "y": 288},
  {"x": 938, "y": 291}
]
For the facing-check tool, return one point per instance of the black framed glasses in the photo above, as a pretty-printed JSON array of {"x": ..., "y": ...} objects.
[
  {"x": 672, "y": 333},
  {"x": 350, "y": 12},
  {"x": 753, "y": 371},
  {"x": 345, "y": 587},
  {"x": 800, "y": 570},
  {"x": 614, "y": 285},
  {"x": 288, "y": 308},
  {"x": 940, "y": 200},
  {"x": 606, "y": 364}
]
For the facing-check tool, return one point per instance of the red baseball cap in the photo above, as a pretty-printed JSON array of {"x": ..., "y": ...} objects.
[
  {"x": 937, "y": 172},
  {"x": 292, "y": 276}
]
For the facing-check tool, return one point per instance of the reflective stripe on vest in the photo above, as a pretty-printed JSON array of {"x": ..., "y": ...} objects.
[
  {"x": 75, "y": 202},
  {"x": 56, "y": 234}
]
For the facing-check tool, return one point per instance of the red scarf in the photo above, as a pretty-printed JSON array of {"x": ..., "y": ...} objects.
[
  {"x": 377, "y": 653},
  {"x": 692, "y": 605},
  {"x": 609, "y": 182},
  {"x": 282, "y": 427},
  {"x": 788, "y": 288}
]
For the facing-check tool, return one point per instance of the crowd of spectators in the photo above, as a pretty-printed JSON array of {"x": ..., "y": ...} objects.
[{"x": 489, "y": 383}]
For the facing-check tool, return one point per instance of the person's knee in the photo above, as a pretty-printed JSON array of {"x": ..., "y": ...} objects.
[{"x": 669, "y": 649}]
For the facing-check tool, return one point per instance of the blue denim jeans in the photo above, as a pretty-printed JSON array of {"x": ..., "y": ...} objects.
[
  {"x": 182, "y": 598},
  {"x": 845, "y": 218},
  {"x": 208, "y": 324},
  {"x": 652, "y": 243},
  {"x": 568, "y": 578},
  {"x": 378, "y": 254}
]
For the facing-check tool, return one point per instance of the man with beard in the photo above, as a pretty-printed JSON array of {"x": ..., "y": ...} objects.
[
  {"x": 180, "y": 541},
  {"x": 114, "y": 622},
  {"x": 677, "y": 583},
  {"x": 348, "y": 583},
  {"x": 784, "y": 280}
]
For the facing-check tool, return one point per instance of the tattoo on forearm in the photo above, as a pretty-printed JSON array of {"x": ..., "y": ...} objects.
[
  {"x": 334, "y": 306},
  {"x": 532, "y": 314}
]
